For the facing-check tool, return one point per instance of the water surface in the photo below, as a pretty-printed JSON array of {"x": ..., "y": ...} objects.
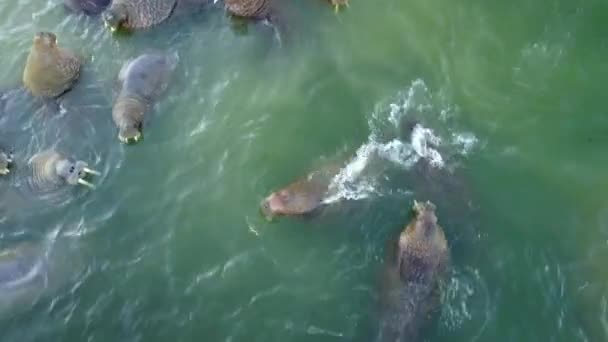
[{"x": 174, "y": 246}]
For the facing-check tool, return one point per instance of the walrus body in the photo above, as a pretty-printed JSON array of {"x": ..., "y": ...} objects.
[
  {"x": 51, "y": 169},
  {"x": 414, "y": 273},
  {"x": 142, "y": 80},
  {"x": 90, "y": 7},
  {"x": 133, "y": 15},
  {"x": 301, "y": 197},
  {"x": 50, "y": 71},
  {"x": 6, "y": 160},
  {"x": 18, "y": 265}
]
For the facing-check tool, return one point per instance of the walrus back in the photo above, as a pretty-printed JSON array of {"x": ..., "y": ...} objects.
[
  {"x": 44, "y": 174},
  {"x": 147, "y": 13},
  {"x": 50, "y": 73},
  {"x": 147, "y": 76},
  {"x": 19, "y": 266},
  {"x": 255, "y": 9},
  {"x": 413, "y": 278}
]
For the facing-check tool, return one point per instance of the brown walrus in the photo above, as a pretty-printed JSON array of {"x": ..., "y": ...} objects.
[
  {"x": 50, "y": 71},
  {"x": 300, "y": 197},
  {"x": 132, "y": 15},
  {"x": 414, "y": 274}
]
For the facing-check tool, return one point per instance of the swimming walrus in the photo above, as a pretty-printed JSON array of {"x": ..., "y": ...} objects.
[
  {"x": 414, "y": 274},
  {"x": 142, "y": 80},
  {"x": 31, "y": 270},
  {"x": 50, "y": 71},
  {"x": 6, "y": 159},
  {"x": 301, "y": 197},
  {"x": 52, "y": 169},
  {"x": 89, "y": 7},
  {"x": 132, "y": 15}
]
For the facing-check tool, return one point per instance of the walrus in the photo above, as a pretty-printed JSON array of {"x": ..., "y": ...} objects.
[
  {"x": 133, "y": 15},
  {"x": 142, "y": 80},
  {"x": 6, "y": 159},
  {"x": 51, "y": 169},
  {"x": 414, "y": 273},
  {"x": 50, "y": 71},
  {"x": 304, "y": 196},
  {"x": 89, "y": 7}
]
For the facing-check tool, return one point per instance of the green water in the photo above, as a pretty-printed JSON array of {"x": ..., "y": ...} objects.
[{"x": 172, "y": 241}]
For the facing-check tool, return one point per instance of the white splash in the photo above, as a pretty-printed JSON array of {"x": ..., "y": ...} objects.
[
  {"x": 360, "y": 178},
  {"x": 421, "y": 138}
]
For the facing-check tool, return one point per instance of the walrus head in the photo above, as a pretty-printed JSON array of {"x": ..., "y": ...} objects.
[
  {"x": 116, "y": 17},
  {"x": 426, "y": 220},
  {"x": 130, "y": 134},
  {"x": 276, "y": 204},
  {"x": 5, "y": 163},
  {"x": 75, "y": 172},
  {"x": 45, "y": 40},
  {"x": 295, "y": 199}
]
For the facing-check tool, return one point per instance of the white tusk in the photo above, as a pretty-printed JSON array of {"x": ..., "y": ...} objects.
[
  {"x": 85, "y": 183},
  {"x": 91, "y": 171},
  {"x": 4, "y": 172}
]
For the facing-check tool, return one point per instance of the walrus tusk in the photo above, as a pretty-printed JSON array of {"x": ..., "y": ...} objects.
[
  {"x": 5, "y": 171},
  {"x": 85, "y": 183},
  {"x": 91, "y": 171}
]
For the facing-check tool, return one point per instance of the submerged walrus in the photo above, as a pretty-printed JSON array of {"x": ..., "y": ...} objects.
[
  {"x": 89, "y": 7},
  {"x": 301, "y": 197},
  {"x": 50, "y": 71},
  {"x": 52, "y": 169},
  {"x": 6, "y": 159},
  {"x": 142, "y": 79},
  {"x": 29, "y": 270},
  {"x": 414, "y": 275},
  {"x": 132, "y": 15}
]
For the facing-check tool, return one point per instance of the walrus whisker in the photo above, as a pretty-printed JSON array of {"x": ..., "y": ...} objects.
[
  {"x": 85, "y": 183},
  {"x": 91, "y": 171},
  {"x": 5, "y": 171}
]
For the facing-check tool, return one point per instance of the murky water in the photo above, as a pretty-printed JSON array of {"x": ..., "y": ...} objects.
[{"x": 508, "y": 97}]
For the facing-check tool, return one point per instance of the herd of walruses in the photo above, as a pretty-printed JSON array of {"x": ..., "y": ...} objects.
[{"x": 420, "y": 255}]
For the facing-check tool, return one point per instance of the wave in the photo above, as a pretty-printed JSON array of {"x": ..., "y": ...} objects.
[{"x": 409, "y": 128}]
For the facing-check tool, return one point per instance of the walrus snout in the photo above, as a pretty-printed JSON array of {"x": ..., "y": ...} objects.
[
  {"x": 76, "y": 173},
  {"x": 266, "y": 210},
  {"x": 130, "y": 136},
  {"x": 6, "y": 160},
  {"x": 46, "y": 38},
  {"x": 272, "y": 206},
  {"x": 114, "y": 18}
]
